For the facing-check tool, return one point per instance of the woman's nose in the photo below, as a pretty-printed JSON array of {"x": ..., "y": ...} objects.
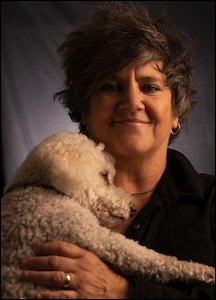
[{"x": 132, "y": 98}]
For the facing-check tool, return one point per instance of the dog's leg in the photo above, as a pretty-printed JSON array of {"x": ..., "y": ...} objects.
[{"x": 130, "y": 258}]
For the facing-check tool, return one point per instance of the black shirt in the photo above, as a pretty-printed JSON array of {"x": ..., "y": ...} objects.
[{"x": 179, "y": 221}]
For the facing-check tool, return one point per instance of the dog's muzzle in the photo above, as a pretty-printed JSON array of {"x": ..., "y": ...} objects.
[{"x": 132, "y": 210}]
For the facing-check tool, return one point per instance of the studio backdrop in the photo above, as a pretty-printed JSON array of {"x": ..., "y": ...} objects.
[{"x": 31, "y": 32}]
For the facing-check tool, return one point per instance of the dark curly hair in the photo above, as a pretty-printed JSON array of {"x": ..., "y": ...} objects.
[{"x": 117, "y": 35}]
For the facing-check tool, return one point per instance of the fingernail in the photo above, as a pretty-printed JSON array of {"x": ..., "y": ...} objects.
[
  {"x": 39, "y": 296},
  {"x": 24, "y": 274}
]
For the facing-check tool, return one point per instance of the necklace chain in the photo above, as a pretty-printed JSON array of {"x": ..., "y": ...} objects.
[{"x": 142, "y": 193}]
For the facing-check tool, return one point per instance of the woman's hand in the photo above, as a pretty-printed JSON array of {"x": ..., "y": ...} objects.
[{"x": 90, "y": 277}]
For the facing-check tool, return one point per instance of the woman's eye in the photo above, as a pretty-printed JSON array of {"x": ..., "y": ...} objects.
[
  {"x": 110, "y": 87},
  {"x": 150, "y": 88}
]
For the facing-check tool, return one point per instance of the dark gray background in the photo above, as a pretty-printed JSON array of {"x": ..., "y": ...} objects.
[{"x": 31, "y": 74}]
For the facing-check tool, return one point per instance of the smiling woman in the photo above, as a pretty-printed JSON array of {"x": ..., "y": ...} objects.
[
  {"x": 129, "y": 110},
  {"x": 31, "y": 33},
  {"x": 128, "y": 84}
]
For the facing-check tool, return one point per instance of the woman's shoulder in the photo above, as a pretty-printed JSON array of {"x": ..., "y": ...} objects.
[
  {"x": 176, "y": 159},
  {"x": 208, "y": 182},
  {"x": 181, "y": 171},
  {"x": 208, "y": 179}
]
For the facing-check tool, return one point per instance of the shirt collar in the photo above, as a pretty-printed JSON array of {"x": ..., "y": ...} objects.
[{"x": 180, "y": 179}]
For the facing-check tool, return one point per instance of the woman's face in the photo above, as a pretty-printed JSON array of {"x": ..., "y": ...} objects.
[{"x": 131, "y": 112}]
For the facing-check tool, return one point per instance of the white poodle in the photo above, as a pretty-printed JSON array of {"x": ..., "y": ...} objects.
[{"x": 64, "y": 191}]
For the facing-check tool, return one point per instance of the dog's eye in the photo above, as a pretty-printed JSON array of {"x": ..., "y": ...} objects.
[{"x": 105, "y": 175}]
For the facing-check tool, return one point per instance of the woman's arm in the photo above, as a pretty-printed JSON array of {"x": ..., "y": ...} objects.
[{"x": 93, "y": 279}]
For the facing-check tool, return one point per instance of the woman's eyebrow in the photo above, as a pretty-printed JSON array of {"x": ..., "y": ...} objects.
[
  {"x": 143, "y": 78},
  {"x": 113, "y": 77},
  {"x": 151, "y": 79}
]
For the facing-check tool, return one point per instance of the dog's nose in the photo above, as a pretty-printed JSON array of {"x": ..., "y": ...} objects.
[{"x": 132, "y": 210}]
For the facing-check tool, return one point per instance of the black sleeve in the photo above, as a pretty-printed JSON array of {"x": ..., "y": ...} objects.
[{"x": 143, "y": 289}]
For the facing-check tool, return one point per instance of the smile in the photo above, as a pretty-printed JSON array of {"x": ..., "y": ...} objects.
[{"x": 131, "y": 122}]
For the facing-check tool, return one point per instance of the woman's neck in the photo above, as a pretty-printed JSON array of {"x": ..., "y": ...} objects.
[
  {"x": 140, "y": 179},
  {"x": 139, "y": 176}
]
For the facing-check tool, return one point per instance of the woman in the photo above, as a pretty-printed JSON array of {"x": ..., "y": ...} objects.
[{"x": 128, "y": 84}]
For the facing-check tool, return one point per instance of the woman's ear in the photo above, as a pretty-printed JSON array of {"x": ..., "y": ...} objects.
[{"x": 175, "y": 122}]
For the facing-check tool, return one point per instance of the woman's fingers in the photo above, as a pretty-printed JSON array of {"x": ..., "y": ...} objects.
[
  {"x": 48, "y": 263},
  {"x": 84, "y": 277},
  {"x": 66, "y": 286},
  {"x": 59, "y": 248},
  {"x": 73, "y": 272},
  {"x": 58, "y": 279},
  {"x": 63, "y": 294}
]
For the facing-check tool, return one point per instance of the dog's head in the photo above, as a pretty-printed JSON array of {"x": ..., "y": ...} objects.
[{"x": 78, "y": 167}]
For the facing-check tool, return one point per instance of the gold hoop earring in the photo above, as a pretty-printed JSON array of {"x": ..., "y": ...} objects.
[{"x": 175, "y": 131}]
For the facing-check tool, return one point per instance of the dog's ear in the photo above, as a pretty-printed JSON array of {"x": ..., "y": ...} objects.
[
  {"x": 67, "y": 182},
  {"x": 68, "y": 171}
]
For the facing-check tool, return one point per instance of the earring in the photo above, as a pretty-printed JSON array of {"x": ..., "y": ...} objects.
[{"x": 175, "y": 131}]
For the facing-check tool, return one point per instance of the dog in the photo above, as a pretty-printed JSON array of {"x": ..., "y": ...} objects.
[{"x": 64, "y": 190}]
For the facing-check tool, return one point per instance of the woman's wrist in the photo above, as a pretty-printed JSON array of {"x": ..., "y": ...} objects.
[{"x": 124, "y": 289}]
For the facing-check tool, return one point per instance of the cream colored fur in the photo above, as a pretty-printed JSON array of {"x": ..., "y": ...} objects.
[{"x": 61, "y": 192}]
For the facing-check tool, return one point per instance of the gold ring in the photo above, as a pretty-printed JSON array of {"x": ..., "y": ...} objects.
[{"x": 67, "y": 280}]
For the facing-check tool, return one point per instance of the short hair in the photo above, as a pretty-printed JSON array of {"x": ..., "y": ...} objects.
[{"x": 117, "y": 35}]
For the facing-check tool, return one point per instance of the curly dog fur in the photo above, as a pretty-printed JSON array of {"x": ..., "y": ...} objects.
[{"x": 64, "y": 191}]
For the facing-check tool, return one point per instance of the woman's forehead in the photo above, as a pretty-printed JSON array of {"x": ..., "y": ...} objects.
[{"x": 140, "y": 70}]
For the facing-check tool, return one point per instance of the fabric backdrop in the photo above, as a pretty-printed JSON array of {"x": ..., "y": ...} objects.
[{"x": 31, "y": 74}]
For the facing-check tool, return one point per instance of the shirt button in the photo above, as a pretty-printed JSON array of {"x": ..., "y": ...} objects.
[{"x": 136, "y": 225}]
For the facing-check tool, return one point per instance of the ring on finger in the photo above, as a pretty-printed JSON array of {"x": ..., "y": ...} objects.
[{"x": 67, "y": 280}]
